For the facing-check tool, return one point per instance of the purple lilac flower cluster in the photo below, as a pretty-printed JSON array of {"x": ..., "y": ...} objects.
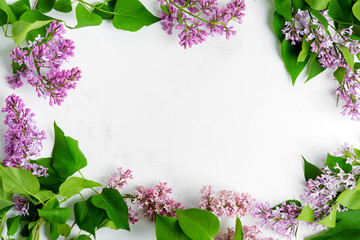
[
  {"x": 327, "y": 46},
  {"x": 225, "y": 203},
  {"x": 281, "y": 219},
  {"x": 249, "y": 233},
  {"x": 23, "y": 138},
  {"x": 21, "y": 204},
  {"x": 198, "y": 19},
  {"x": 40, "y": 64},
  {"x": 156, "y": 200}
]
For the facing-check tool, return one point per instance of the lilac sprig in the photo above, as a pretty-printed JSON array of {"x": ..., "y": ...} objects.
[
  {"x": 327, "y": 42},
  {"x": 23, "y": 139},
  {"x": 40, "y": 64},
  {"x": 198, "y": 19}
]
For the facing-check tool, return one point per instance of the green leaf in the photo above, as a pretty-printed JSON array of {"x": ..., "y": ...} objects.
[
  {"x": 54, "y": 232},
  {"x": 109, "y": 224},
  {"x": 305, "y": 49},
  {"x": 45, "y": 5},
  {"x": 19, "y": 7},
  {"x": 6, "y": 9},
  {"x": 19, "y": 181},
  {"x": 13, "y": 225},
  {"x": 74, "y": 185},
  {"x": 307, "y": 214},
  {"x": 21, "y": 28},
  {"x": 350, "y": 199},
  {"x": 86, "y": 18},
  {"x": 169, "y": 228},
  {"x": 299, "y": 4},
  {"x": 289, "y": 54},
  {"x": 315, "y": 67},
  {"x": 238, "y": 230},
  {"x": 339, "y": 74},
  {"x": 32, "y": 16},
  {"x": 348, "y": 56},
  {"x": 131, "y": 15},
  {"x": 51, "y": 182},
  {"x": 320, "y": 17},
  {"x": 331, "y": 162},
  {"x": 87, "y": 216},
  {"x": 102, "y": 14},
  {"x": 198, "y": 224},
  {"x": 64, "y": 230},
  {"x": 357, "y": 153},
  {"x": 83, "y": 237},
  {"x": 340, "y": 10},
  {"x": 356, "y": 10},
  {"x": 112, "y": 202},
  {"x": 318, "y": 4},
  {"x": 311, "y": 171},
  {"x": 40, "y": 196},
  {"x": 278, "y": 25},
  {"x": 283, "y": 7},
  {"x": 66, "y": 156},
  {"x": 164, "y": 9},
  {"x": 56, "y": 215},
  {"x": 330, "y": 220},
  {"x": 63, "y": 6}
]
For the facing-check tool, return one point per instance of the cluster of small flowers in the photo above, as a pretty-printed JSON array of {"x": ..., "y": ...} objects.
[
  {"x": 23, "y": 138},
  {"x": 155, "y": 200},
  {"x": 198, "y": 19},
  {"x": 225, "y": 203},
  {"x": 281, "y": 219},
  {"x": 321, "y": 192},
  {"x": 249, "y": 233},
  {"x": 21, "y": 204},
  {"x": 46, "y": 56},
  {"x": 118, "y": 180},
  {"x": 327, "y": 47}
]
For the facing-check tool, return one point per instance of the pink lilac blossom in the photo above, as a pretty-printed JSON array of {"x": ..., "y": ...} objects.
[
  {"x": 21, "y": 204},
  {"x": 225, "y": 203},
  {"x": 40, "y": 64},
  {"x": 306, "y": 27},
  {"x": 198, "y": 19},
  {"x": 281, "y": 219},
  {"x": 23, "y": 138},
  {"x": 249, "y": 233},
  {"x": 156, "y": 200},
  {"x": 118, "y": 180}
]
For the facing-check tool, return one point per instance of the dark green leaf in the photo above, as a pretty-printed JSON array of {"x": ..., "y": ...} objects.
[
  {"x": 13, "y": 225},
  {"x": 19, "y": 7},
  {"x": 83, "y": 237},
  {"x": 10, "y": 15},
  {"x": 63, "y": 6},
  {"x": 278, "y": 25},
  {"x": 318, "y": 4},
  {"x": 102, "y": 10},
  {"x": 25, "y": 230},
  {"x": 74, "y": 185},
  {"x": 340, "y": 10},
  {"x": 51, "y": 182},
  {"x": 238, "y": 230},
  {"x": 112, "y": 202},
  {"x": 299, "y": 4},
  {"x": 283, "y": 7},
  {"x": 198, "y": 224},
  {"x": 307, "y": 214},
  {"x": 64, "y": 230},
  {"x": 21, "y": 28},
  {"x": 66, "y": 156},
  {"x": 56, "y": 215},
  {"x": 86, "y": 18},
  {"x": 131, "y": 15},
  {"x": 330, "y": 220},
  {"x": 339, "y": 74},
  {"x": 168, "y": 228},
  {"x": 54, "y": 232},
  {"x": 311, "y": 171},
  {"x": 45, "y": 5},
  {"x": 331, "y": 162},
  {"x": 19, "y": 181},
  {"x": 87, "y": 216},
  {"x": 315, "y": 67},
  {"x": 289, "y": 54}
]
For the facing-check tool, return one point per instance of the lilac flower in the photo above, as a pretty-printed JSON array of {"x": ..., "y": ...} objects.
[
  {"x": 117, "y": 181},
  {"x": 22, "y": 139},
  {"x": 155, "y": 200},
  {"x": 40, "y": 64},
  {"x": 249, "y": 233},
  {"x": 21, "y": 204},
  {"x": 198, "y": 19},
  {"x": 225, "y": 203},
  {"x": 281, "y": 219}
]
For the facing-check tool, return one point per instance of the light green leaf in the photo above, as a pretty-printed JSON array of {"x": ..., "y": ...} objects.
[
  {"x": 40, "y": 196},
  {"x": 307, "y": 214},
  {"x": 64, "y": 230},
  {"x": 347, "y": 55},
  {"x": 339, "y": 74},
  {"x": 305, "y": 49},
  {"x": 56, "y": 215},
  {"x": 13, "y": 225},
  {"x": 318, "y": 4},
  {"x": 86, "y": 18},
  {"x": 19, "y": 181},
  {"x": 74, "y": 185},
  {"x": 168, "y": 228},
  {"x": 356, "y": 10},
  {"x": 330, "y": 220},
  {"x": 238, "y": 230},
  {"x": 21, "y": 28},
  {"x": 5, "y": 7},
  {"x": 350, "y": 199}
]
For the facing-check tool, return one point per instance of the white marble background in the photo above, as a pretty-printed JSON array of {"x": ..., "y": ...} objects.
[{"x": 223, "y": 113}]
